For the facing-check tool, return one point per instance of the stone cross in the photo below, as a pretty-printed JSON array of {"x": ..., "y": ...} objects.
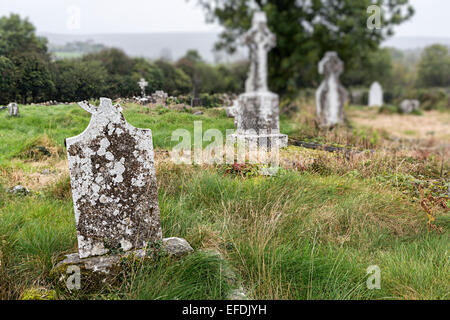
[
  {"x": 256, "y": 112},
  {"x": 142, "y": 84},
  {"x": 376, "y": 95},
  {"x": 331, "y": 96},
  {"x": 113, "y": 181},
  {"x": 260, "y": 40},
  {"x": 13, "y": 109}
]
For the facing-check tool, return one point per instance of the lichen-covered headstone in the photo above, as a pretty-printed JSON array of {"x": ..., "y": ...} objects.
[
  {"x": 376, "y": 95},
  {"x": 256, "y": 111},
  {"x": 331, "y": 95},
  {"x": 13, "y": 109},
  {"x": 113, "y": 183}
]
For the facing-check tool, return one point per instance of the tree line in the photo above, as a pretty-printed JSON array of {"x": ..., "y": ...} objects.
[{"x": 28, "y": 73}]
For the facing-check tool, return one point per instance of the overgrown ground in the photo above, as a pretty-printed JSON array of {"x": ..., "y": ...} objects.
[{"x": 308, "y": 233}]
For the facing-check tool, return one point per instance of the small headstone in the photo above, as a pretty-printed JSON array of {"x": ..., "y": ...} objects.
[
  {"x": 331, "y": 95},
  {"x": 13, "y": 109},
  {"x": 376, "y": 95},
  {"x": 142, "y": 84},
  {"x": 256, "y": 111},
  {"x": 408, "y": 106},
  {"x": 113, "y": 183}
]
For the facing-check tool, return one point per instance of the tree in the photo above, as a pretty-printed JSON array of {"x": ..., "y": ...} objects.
[
  {"x": 28, "y": 53},
  {"x": 114, "y": 60},
  {"x": 305, "y": 30},
  {"x": 7, "y": 80},
  {"x": 18, "y": 36},
  {"x": 78, "y": 80},
  {"x": 434, "y": 67},
  {"x": 175, "y": 80}
]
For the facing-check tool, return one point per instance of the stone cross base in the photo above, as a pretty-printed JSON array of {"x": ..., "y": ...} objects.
[
  {"x": 252, "y": 141},
  {"x": 257, "y": 111}
]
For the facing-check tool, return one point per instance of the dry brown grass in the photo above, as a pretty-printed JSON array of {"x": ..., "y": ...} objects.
[{"x": 431, "y": 124}]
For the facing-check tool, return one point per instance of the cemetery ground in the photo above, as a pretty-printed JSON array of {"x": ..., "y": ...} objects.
[{"x": 310, "y": 232}]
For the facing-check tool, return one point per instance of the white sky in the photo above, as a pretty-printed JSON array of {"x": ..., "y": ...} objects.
[{"x": 144, "y": 16}]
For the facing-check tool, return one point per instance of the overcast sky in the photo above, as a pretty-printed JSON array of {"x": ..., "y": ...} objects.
[{"x": 143, "y": 16}]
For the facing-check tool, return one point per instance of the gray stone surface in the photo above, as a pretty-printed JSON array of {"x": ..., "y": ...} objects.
[
  {"x": 256, "y": 112},
  {"x": 177, "y": 246},
  {"x": 113, "y": 181},
  {"x": 13, "y": 109},
  {"x": 408, "y": 106},
  {"x": 376, "y": 95},
  {"x": 331, "y": 96}
]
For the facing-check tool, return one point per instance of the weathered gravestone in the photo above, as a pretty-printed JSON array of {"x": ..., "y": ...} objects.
[
  {"x": 331, "y": 95},
  {"x": 142, "y": 84},
  {"x": 256, "y": 111},
  {"x": 115, "y": 195},
  {"x": 113, "y": 183},
  {"x": 376, "y": 95},
  {"x": 408, "y": 106},
  {"x": 13, "y": 109},
  {"x": 159, "y": 97}
]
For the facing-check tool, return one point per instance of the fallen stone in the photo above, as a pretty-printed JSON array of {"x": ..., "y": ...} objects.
[
  {"x": 177, "y": 246},
  {"x": 198, "y": 113},
  {"x": 20, "y": 190}
]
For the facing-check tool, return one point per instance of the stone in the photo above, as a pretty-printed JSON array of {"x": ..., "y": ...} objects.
[
  {"x": 376, "y": 95},
  {"x": 232, "y": 111},
  {"x": 408, "y": 106},
  {"x": 20, "y": 190},
  {"x": 177, "y": 246},
  {"x": 142, "y": 84},
  {"x": 331, "y": 96},
  {"x": 256, "y": 112},
  {"x": 160, "y": 97},
  {"x": 198, "y": 113},
  {"x": 113, "y": 182},
  {"x": 97, "y": 270},
  {"x": 13, "y": 109}
]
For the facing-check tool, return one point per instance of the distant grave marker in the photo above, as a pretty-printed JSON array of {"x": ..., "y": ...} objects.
[
  {"x": 331, "y": 95},
  {"x": 376, "y": 95},
  {"x": 13, "y": 109},
  {"x": 142, "y": 84}
]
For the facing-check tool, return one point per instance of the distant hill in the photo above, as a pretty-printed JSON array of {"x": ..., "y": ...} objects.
[
  {"x": 407, "y": 43},
  {"x": 175, "y": 45},
  {"x": 152, "y": 45}
]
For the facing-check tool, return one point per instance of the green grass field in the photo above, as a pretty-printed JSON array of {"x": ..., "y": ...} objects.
[{"x": 310, "y": 232}]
